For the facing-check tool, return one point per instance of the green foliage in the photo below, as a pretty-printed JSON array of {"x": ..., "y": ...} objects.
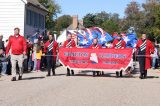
[
  {"x": 53, "y": 10},
  {"x": 108, "y": 22},
  {"x": 133, "y": 16},
  {"x": 152, "y": 19},
  {"x": 89, "y": 20},
  {"x": 110, "y": 26},
  {"x": 63, "y": 22},
  {"x": 145, "y": 20}
]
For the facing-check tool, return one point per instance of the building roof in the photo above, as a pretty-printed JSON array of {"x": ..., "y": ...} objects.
[{"x": 36, "y": 4}]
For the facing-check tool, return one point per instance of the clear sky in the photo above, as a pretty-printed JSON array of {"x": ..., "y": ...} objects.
[{"x": 82, "y": 7}]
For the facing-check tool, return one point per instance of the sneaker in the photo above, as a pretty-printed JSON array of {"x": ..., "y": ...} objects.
[
  {"x": 153, "y": 68},
  {"x": 4, "y": 74},
  {"x": 33, "y": 71}
]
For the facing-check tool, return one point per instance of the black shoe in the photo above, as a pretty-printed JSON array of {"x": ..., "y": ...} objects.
[
  {"x": 13, "y": 79},
  {"x": 94, "y": 73},
  {"x": 20, "y": 78},
  {"x": 141, "y": 77},
  {"x": 145, "y": 75},
  {"x": 102, "y": 72},
  {"x": 68, "y": 74},
  {"x": 72, "y": 72},
  {"x": 54, "y": 73},
  {"x": 117, "y": 74},
  {"x": 121, "y": 74},
  {"x": 98, "y": 73}
]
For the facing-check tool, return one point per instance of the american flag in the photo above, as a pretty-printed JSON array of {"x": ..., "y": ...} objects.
[{"x": 87, "y": 35}]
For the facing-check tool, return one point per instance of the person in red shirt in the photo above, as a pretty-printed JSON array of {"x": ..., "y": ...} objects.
[
  {"x": 145, "y": 49},
  {"x": 95, "y": 45},
  {"x": 50, "y": 49},
  {"x": 119, "y": 43},
  {"x": 69, "y": 43},
  {"x": 17, "y": 44}
]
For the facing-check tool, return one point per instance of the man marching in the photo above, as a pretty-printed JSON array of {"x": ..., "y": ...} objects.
[
  {"x": 95, "y": 45},
  {"x": 119, "y": 43},
  {"x": 50, "y": 48},
  {"x": 69, "y": 43},
  {"x": 145, "y": 48},
  {"x": 18, "y": 47}
]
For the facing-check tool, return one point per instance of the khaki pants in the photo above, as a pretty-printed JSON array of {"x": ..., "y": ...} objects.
[{"x": 14, "y": 60}]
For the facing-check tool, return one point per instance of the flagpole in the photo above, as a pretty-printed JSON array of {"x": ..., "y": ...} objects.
[{"x": 76, "y": 36}]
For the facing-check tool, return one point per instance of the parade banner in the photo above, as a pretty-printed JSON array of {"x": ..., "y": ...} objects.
[{"x": 95, "y": 59}]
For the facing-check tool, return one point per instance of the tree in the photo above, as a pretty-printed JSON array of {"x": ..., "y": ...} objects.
[
  {"x": 98, "y": 19},
  {"x": 110, "y": 26},
  {"x": 133, "y": 16},
  {"x": 63, "y": 22},
  {"x": 101, "y": 18},
  {"x": 132, "y": 9},
  {"x": 152, "y": 1},
  {"x": 152, "y": 18},
  {"x": 89, "y": 20},
  {"x": 115, "y": 17},
  {"x": 53, "y": 10}
]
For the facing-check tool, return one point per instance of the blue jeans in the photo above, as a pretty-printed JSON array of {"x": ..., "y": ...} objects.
[
  {"x": 4, "y": 67},
  {"x": 154, "y": 62},
  {"x": 30, "y": 62}
]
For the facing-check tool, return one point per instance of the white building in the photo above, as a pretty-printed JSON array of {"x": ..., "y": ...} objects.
[{"x": 28, "y": 15}]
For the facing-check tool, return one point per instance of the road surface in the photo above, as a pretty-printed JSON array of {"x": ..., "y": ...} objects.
[{"x": 80, "y": 90}]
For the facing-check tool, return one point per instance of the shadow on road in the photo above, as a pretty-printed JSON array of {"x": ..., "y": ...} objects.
[
  {"x": 152, "y": 77},
  {"x": 83, "y": 75},
  {"x": 60, "y": 74},
  {"x": 33, "y": 78}
]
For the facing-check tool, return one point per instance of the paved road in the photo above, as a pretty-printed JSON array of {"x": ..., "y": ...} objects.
[{"x": 82, "y": 90}]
